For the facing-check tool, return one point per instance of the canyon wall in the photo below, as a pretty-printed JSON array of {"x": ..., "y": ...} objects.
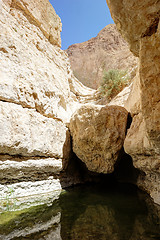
[
  {"x": 139, "y": 24},
  {"x": 38, "y": 94},
  {"x": 108, "y": 50}
]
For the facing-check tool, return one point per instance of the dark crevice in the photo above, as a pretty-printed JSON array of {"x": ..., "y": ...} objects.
[
  {"x": 3, "y": 50},
  {"x": 77, "y": 173},
  {"x": 124, "y": 169},
  {"x": 129, "y": 121},
  {"x": 151, "y": 29},
  {"x": 25, "y": 158}
]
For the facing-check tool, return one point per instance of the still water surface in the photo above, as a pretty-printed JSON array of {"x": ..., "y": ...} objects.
[{"x": 93, "y": 212}]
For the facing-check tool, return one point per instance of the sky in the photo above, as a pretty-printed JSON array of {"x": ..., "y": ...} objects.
[{"x": 81, "y": 19}]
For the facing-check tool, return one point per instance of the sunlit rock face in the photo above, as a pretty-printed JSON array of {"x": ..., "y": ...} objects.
[
  {"x": 98, "y": 134},
  {"x": 26, "y": 132},
  {"x": 108, "y": 50},
  {"x": 38, "y": 94},
  {"x": 139, "y": 24},
  {"x": 34, "y": 72}
]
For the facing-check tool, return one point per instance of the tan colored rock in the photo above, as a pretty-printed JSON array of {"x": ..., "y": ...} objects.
[
  {"x": 39, "y": 74},
  {"x": 28, "y": 194},
  {"x": 121, "y": 98},
  {"x": 107, "y": 50},
  {"x": 150, "y": 86},
  {"x": 137, "y": 141},
  {"x": 98, "y": 134},
  {"x": 41, "y": 14},
  {"x": 25, "y": 132},
  {"x": 15, "y": 169},
  {"x": 138, "y": 145},
  {"x": 135, "y": 19},
  {"x": 133, "y": 102},
  {"x": 139, "y": 24},
  {"x": 38, "y": 94}
]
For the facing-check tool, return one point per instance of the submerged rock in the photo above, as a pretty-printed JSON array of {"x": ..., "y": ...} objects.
[{"x": 98, "y": 134}]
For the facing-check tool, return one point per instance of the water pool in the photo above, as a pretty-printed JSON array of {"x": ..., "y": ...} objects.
[{"x": 94, "y": 212}]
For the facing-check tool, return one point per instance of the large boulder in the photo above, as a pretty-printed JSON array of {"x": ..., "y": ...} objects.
[{"x": 98, "y": 134}]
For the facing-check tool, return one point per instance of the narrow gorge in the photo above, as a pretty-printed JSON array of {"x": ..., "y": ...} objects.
[{"x": 55, "y": 134}]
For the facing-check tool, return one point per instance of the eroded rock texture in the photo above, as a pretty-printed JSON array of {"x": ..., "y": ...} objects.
[
  {"x": 139, "y": 24},
  {"x": 107, "y": 50},
  {"x": 98, "y": 134},
  {"x": 38, "y": 94},
  {"x": 135, "y": 19}
]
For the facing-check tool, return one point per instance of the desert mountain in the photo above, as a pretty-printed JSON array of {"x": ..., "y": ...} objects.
[{"x": 106, "y": 51}]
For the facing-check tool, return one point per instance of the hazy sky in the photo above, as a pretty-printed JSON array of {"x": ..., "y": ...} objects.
[{"x": 81, "y": 19}]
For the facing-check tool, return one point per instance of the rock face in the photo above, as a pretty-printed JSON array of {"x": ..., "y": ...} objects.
[
  {"x": 139, "y": 24},
  {"x": 142, "y": 16},
  {"x": 28, "y": 133},
  {"x": 39, "y": 73},
  {"x": 98, "y": 134},
  {"x": 38, "y": 94},
  {"x": 106, "y": 51},
  {"x": 42, "y": 15}
]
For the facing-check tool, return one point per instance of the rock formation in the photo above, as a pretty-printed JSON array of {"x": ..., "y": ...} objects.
[
  {"x": 38, "y": 94},
  {"x": 98, "y": 134},
  {"x": 106, "y": 51},
  {"x": 138, "y": 23}
]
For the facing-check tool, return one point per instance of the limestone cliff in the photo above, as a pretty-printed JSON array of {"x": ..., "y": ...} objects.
[
  {"x": 106, "y": 51},
  {"x": 139, "y": 24},
  {"x": 38, "y": 94}
]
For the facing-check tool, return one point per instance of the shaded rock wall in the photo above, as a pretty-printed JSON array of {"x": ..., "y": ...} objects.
[{"x": 139, "y": 24}]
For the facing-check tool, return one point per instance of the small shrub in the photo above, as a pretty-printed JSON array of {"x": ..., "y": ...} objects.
[{"x": 113, "y": 82}]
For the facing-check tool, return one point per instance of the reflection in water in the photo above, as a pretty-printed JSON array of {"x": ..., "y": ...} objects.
[{"x": 88, "y": 212}]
